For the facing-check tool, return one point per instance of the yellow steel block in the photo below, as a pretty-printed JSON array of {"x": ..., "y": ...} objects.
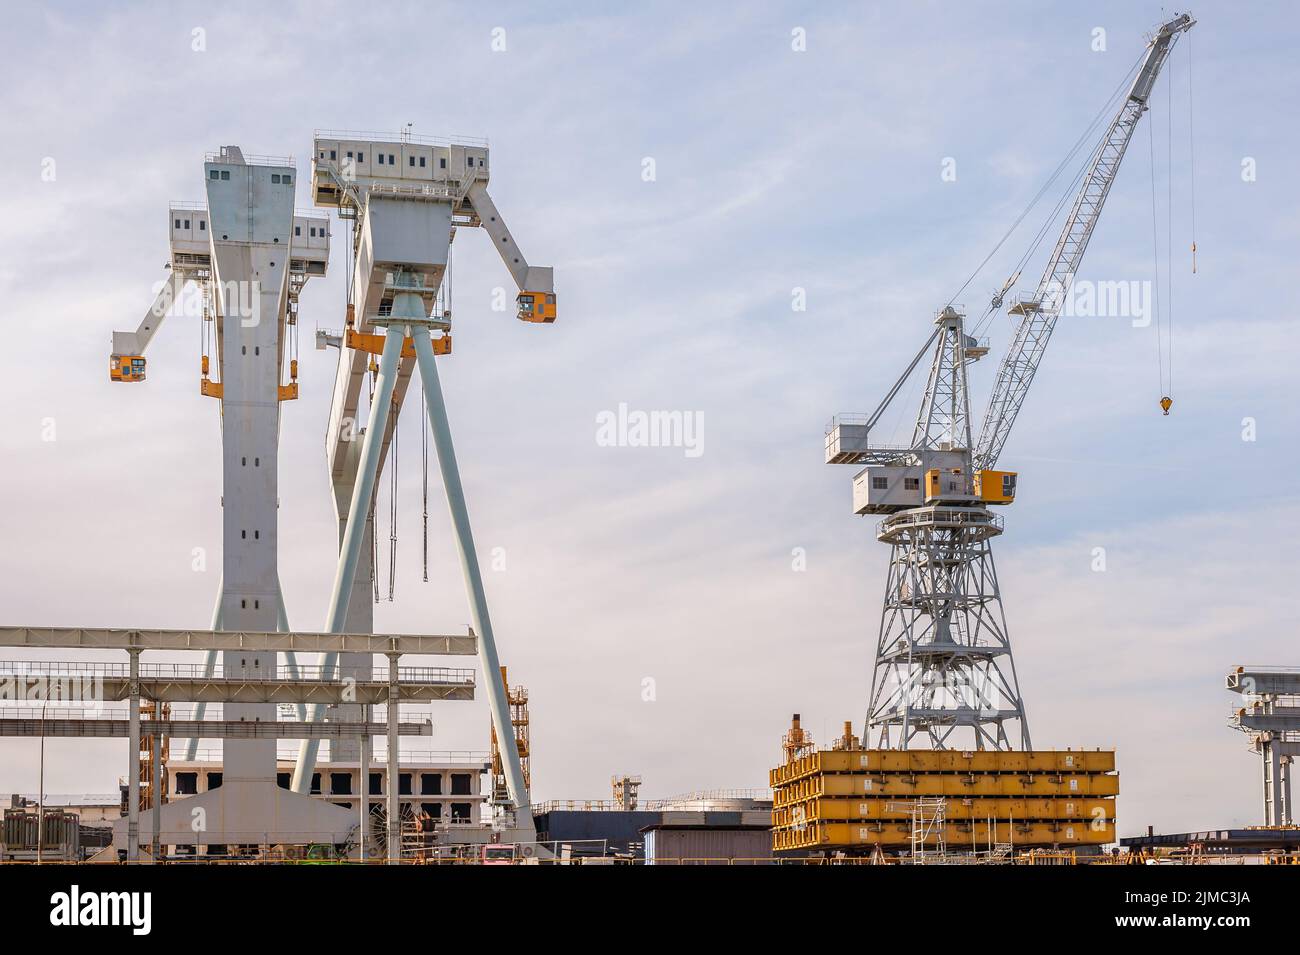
[
  {"x": 958, "y": 835},
  {"x": 901, "y": 785},
  {"x": 1038, "y": 763},
  {"x": 944, "y": 761},
  {"x": 841, "y": 809}
]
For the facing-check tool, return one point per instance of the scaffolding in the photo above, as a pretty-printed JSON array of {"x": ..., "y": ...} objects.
[{"x": 517, "y": 698}]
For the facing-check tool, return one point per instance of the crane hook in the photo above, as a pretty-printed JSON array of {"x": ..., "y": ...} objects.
[{"x": 1165, "y": 403}]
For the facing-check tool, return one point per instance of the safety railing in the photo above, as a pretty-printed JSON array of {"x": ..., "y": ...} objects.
[
  {"x": 250, "y": 159},
  {"x": 196, "y": 671},
  {"x": 368, "y": 136},
  {"x": 945, "y": 516}
]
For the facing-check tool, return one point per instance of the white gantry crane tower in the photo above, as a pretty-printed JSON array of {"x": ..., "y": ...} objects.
[
  {"x": 1269, "y": 715},
  {"x": 944, "y": 675},
  {"x": 407, "y": 197},
  {"x": 249, "y": 254}
]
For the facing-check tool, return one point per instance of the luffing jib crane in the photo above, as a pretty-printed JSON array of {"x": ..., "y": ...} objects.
[{"x": 943, "y": 658}]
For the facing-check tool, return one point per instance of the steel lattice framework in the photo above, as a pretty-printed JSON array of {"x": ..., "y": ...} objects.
[{"x": 943, "y": 660}]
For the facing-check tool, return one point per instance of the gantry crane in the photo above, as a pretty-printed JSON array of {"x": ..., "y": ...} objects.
[
  {"x": 943, "y": 658},
  {"x": 407, "y": 198}
]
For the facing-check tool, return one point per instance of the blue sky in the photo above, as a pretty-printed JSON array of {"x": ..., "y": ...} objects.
[{"x": 775, "y": 169}]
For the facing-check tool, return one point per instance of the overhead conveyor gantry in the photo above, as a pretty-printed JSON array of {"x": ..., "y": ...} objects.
[{"x": 69, "y": 699}]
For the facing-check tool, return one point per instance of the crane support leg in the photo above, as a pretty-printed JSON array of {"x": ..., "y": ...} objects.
[
  {"x": 209, "y": 670},
  {"x": 210, "y": 664},
  {"x": 487, "y": 649},
  {"x": 354, "y": 534}
]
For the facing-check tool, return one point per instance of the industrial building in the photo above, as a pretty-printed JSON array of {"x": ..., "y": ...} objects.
[{"x": 730, "y": 826}]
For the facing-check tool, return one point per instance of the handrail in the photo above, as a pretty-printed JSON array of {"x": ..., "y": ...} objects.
[
  {"x": 198, "y": 671},
  {"x": 370, "y": 136}
]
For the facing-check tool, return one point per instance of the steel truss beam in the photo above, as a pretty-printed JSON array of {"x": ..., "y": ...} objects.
[
  {"x": 207, "y": 729},
  {"x": 83, "y": 638}
]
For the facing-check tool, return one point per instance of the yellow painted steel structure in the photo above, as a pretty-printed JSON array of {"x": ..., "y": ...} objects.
[
  {"x": 975, "y": 835},
  {"x": 943, "y": 761},
  {"x": 899, "y": 786},
  {"x": 849, "y": 798},
  {"x": 848, "y": 809}
]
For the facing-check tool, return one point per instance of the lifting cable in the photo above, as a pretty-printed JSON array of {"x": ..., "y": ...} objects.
[
  {"x": 424, "y": 464},
  {"x": 1169, "y": 235},
  {"x": 1191, "y": 145},
  {"x": 374, "y": 537},
  {"x": 392, "y": 512},
  {"x": 1165, "y": 334},
  {"x": 1155, "y": 265}
]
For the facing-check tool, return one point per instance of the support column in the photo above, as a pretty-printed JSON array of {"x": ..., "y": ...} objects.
[
  {"x": 1277, "y": 785},
  {"x": 353, "y": 536},
  {"x": 487, "y": 649},
  {"x": 209, "y": 670},
  {"x": 364, "y": 832},
  {"x": 290, "y": 658},
  {"x": 155, "y": 792},
  {"x": 394, "y": 769},
  {"x": 133, "y": 779}
]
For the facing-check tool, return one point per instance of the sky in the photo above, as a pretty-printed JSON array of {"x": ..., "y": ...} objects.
[{"x": 862, "y": 176}]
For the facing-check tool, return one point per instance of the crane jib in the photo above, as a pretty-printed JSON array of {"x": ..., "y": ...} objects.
[{"x": 1038, "y": 315}]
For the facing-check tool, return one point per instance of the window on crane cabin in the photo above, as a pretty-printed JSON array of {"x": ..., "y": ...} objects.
[
  {"x": 911, "y": 484},
  {"x": 880, "y": 484}
]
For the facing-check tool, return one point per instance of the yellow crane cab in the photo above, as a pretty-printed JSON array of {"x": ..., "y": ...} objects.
[
  {"x": 126, "y": 368},
  {"x": 995, "y": 487},
  {"x": 536, "y": 306}
]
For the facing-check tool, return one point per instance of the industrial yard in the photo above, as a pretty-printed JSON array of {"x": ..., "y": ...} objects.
[{"x": 321, "y": 558}]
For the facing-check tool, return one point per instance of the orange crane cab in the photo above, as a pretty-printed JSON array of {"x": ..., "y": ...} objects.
[
  {"x": 995, "y": 487},
  {"x": 126, "y": 368},
  {"x": 536, "y": 306}
]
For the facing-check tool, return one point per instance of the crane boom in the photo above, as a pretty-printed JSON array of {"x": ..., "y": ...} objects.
[{"x": 1038, "y": 314}]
